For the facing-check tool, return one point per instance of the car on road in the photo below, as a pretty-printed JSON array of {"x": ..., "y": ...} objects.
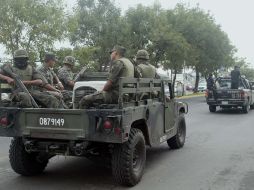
[
  {"x": 226, "y": 98},
  {"x": 202, "y": 87}
]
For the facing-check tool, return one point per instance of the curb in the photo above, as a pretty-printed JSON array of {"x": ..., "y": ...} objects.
[{"x": 191, "y": 96}]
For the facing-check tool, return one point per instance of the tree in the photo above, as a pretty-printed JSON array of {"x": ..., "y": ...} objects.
[
  {"x": 31, "y": 24},
  {"x": 85, "y": 56},
  {"x": 248, "y": 72},
  {"x": 97, "y": 24},
  {"x": 246, "y": 69},
  {"x": 210, "y": 46},
  {"x": 140, "y": 23},
  {"x": 169, "y": 47}
]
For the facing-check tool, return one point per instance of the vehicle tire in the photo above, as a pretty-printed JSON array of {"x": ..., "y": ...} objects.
[
  {"x": 246, "y": 108},
  {"x": 128, "y": 159},
  {"x": 212, "y": 109},
  {"x": 178, "y": 140},
  {"x": 252, "y": 106},
  {"x": 24, "y": 163}
]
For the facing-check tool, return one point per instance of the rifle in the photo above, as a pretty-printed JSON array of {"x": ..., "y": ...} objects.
[
  {"x": 20, "y": 85},
  {"x": 80, "y": 73}
]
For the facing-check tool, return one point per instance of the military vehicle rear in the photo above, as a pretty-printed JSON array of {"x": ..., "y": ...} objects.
[{"x": 146, "y": 115}]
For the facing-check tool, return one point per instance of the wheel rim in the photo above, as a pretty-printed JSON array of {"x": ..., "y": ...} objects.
[{"x": 137, "y": 160}]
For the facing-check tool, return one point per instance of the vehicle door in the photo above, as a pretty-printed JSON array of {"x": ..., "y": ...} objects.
[{"x": 170, "y": 110}]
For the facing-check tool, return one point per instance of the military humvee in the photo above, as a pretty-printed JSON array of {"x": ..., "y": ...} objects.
[{"x": 146, "y": 115}]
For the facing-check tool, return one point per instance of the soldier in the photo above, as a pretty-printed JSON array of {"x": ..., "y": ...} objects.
[
  {"x": 235, "y": 77},
  {"x": 144, "y": 69},
  {"x": 65, "y": 73},
  {"x": 30, "y": 77},
  {"x": 121, "y": 67},
  {"x": 47, "y": 71},
  {"x": 210, "y": 84}
]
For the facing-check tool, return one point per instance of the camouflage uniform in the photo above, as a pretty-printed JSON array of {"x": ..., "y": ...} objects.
[
  {"x": 120, "y": 68},
  {"x": 28, "y": 73},
  {"x": 50, "y": 76},
  {"x": 65, "y": 73},
  {"x": 48, "y": 73},
  {"x": 144, "y": 69}
]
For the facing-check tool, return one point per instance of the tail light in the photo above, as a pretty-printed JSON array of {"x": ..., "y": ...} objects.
[
  {"x": 107, "y": 126},
  {"x": 110, "y": 124},
  {"x": 4, "y": 122},
  {"x": 117, "y": 131},
  {"x": 243, "y": 94}
]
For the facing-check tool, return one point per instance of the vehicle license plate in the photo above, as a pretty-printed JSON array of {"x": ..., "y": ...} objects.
[
  {"x": 47, "y": 121},
  {"x": 224, "y": 102}
]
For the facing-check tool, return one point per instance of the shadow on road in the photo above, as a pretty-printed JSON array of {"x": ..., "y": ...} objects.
[
  {"x": 229, "y": 111},
  {"x": 80, "y": 173}
]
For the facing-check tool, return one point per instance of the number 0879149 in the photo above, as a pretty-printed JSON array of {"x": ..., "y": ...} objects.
[{"x": 59, "y": 122}]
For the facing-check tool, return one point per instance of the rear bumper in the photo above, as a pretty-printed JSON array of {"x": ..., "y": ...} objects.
[{"x": 226, "y": 103}]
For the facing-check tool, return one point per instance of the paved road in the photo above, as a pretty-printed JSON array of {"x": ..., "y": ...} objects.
[{"x": 218, "y": 155}]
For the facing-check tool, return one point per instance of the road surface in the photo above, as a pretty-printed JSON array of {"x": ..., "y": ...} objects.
[{"x": 218, "y": 155}]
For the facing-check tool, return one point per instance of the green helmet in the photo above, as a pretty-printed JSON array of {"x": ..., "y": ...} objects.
[
  {"x": 69, "y": 60},
  {"x": 21, "y": 53},
  {"x": 142, "y": 54}
]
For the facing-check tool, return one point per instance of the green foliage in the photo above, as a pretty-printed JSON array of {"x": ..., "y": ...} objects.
[
  {"x": 211, "y": 49},
  {"x": 97, "y": 25},
  {"x": 140, "y": 23},
  {"x": 246, "y": 70},
  {"x": 85, "y": 56},
  {"x": 33, "y": 25},
  {"x": 176, "y": 38},
  {"x": 248, "y": 73}
]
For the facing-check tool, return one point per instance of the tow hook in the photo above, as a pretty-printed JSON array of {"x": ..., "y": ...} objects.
[{"x": 80, "y": 148}]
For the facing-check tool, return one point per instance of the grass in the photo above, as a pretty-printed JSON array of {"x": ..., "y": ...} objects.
[{"x": 191, "y": 95}]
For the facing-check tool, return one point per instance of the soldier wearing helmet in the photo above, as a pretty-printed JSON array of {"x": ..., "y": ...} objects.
[
  {"x": 65, "y": 73},
  {"x": 54, "y": 85},
  {"x": 143, "y": 68},
  {"x": 120, "y": 67},
  {"x": 47, "y": 71},
  {"x": 31, "y": 78}
]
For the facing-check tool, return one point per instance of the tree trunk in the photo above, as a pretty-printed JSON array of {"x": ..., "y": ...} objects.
[
  {"x": 197, "y": 81},
  {"x": 174, "y": 80}
]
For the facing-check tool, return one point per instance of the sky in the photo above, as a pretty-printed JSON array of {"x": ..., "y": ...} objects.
[{"x": 235, "y": 18}]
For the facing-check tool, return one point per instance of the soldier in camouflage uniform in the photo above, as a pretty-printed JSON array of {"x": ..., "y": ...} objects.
[
  {"x": 121, "y": 67},
  {"x": 143, "y": 68},
  {"x": 47, "y": 71},
  {"x": 31, "y": 78},
  {"x": 65, "y": 73}
]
